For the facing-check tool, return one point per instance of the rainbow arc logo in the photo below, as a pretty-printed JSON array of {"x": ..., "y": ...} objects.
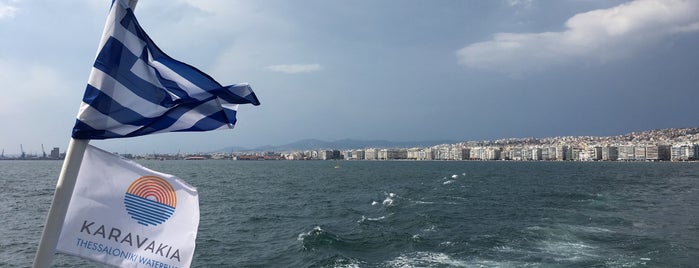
[{"x": 150, "y": 200}]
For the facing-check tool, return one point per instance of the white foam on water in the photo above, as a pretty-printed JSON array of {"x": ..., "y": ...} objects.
[
  {"x": 347, "y": 263},
  {"x": 374, "y": 203},
  {"x": 535, "y": 228},
  {"x": 454, "y": 176},
  {"x": 425, "y": 259},
  {"x": 568, "y": 250},
  {"x": 387, "y": 202},
  {"x": 625, "y": 261},
  {"x": 448, "y": 182},
  {"x": 447, "y": 244},
  {"x": 306, "y": 234},
  {"x": 430, "y": 228},
  {"x": 380, "y": 218},
  {"x": 376, "y": 219},
  {"x": 438, "y": 259},
  {"x": 589, "y": 229}
]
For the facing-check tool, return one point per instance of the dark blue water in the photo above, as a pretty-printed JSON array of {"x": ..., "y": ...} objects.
[{"x": 407, "y": 214}]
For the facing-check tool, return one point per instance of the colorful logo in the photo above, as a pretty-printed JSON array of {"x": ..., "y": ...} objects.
[{"x": 150, "y": 200}]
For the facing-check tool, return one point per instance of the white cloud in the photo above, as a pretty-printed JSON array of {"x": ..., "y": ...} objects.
[
  {"x": 596, "y": 36},
  {"x": 522, "y": 3},
  {"x": 295, "y": 68},
  {"x": 7, "y": 11}
]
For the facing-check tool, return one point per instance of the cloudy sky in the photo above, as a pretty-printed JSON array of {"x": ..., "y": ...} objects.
[{"x": 401, "y": 70}]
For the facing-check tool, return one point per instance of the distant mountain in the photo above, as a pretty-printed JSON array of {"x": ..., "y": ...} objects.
[{"x": 313, "y": 144}]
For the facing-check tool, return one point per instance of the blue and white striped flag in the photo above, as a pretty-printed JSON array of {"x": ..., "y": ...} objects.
[{"x": 135, "y": 89}]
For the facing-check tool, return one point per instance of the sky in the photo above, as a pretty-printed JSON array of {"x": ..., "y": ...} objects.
[{"x": 398, "y": 70}]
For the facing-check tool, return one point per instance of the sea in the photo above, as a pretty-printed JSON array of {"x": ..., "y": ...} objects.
[{"x": 405, "y": 213}]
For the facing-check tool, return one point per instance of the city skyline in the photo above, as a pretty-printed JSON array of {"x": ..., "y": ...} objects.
[
  {"x": 670, "y": 136},
  {"x": 367, "y": 70}
]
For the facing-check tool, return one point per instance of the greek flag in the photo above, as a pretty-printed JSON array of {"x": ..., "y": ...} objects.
[{"x": 135, "y": 89}]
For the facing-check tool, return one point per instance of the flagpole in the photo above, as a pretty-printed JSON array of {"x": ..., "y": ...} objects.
[
  {"x": 61, "y": 197},
  {"x": 59, "y": 206}
]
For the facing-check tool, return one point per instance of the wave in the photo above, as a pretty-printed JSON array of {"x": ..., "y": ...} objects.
[
  {"x": 387, "y": 202},
  {"x": 318, "y": 238},
  {"x": 425, "y": 259},
  {"x": 339, "y": 261},
  {"x": 364, "y": 219},
  {"x": 438, "y": 259}
]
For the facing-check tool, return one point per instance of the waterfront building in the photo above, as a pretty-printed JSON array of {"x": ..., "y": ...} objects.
[
  {"x": 590, "y": 153},
  {"x": 545, "y": 153},
  {"x": 598, "y": 153},
  {"x": 442, "y": 153},
  {"x": 676, "y": 153},
  {"x": 386, "y": 154},
  {"x": 426, "y": 154},
  {"x": 549, "y": 152},
  {"x": 610, "y": 153},
  {"x": 325, "y": 154},
  {"x": 477, "y": 153},
  {"x": 492, "y": 153},
  {"x": 640, "y": 153},
  {"x": 685, "y": 152},
  {"x": 626, "y": 152},
  {"x": 55, "y": 153},
  {"x": 413, "y": 153},
  {"x": 652, "y": 153},
  {"x": 358, "y": 154},
  {"x": 573, "y": 153},
  {"x": 313, "y": 154},
  {"x": 402, "y": 153},
  {"x": 526, "y": 154},
  {"x": 561, "y": 152},
  {"x": 537, "y": 154},
  {"x": 513, "y": 153},
  {"x": 658, "y": 153},
  {"x": 371, "y": 154},
  {"x": 459, "y": 153}
]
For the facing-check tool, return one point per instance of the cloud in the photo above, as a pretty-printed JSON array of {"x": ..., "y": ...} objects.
[
  {"x": 7, "y": 11},
  {"x": 596, "y": 36},
  {"x": 522, "y": 3},
  {"x": 295, "y": 68}
]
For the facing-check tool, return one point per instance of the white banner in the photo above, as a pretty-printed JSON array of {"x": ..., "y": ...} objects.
[{"x": 126, "y": 215}]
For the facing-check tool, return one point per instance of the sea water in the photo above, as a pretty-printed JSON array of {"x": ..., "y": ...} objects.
[{"x": 406, "y": 213}]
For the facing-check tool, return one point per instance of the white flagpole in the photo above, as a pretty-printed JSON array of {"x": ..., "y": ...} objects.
[{"x": 61, "y": 197}]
